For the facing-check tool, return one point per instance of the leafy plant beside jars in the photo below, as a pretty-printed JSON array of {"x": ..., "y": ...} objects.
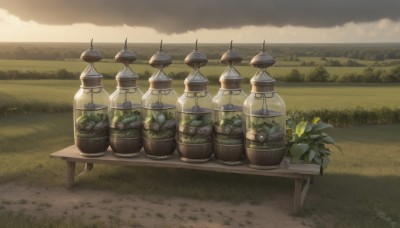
[{"x": 307, "y": 141}]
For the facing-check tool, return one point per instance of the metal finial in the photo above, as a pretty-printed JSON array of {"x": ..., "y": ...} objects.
[
  {"x": 230, "y": 46},
  {"x": 126, "y": 44},
  {"x": 195, "y": 47},
  {"x": 91, "y": 44},
  {"x": 263, "y": 46},
  {"x": 161, "y": 45}
]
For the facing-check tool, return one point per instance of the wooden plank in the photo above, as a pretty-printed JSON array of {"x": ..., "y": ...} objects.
[{"x": 292, "y": 170}]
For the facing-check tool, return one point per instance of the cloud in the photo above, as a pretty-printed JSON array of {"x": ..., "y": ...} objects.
[{"x": 180, "y": 16}]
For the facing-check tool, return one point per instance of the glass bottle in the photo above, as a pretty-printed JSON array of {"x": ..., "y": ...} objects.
[
  {"x": 265, "y": 118},
  {"x": 159, "y": 111},
  {"x": 125, "y": 109},
  {"x": 227, "y": 105},
  {"x": 194, "y": 109},
  {"x": 90, "y": 109}
]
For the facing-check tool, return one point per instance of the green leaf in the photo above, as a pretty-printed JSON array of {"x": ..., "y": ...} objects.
[
  {"x": 314, "y": 136},
  {"x": 308, "y": 127},
  {"x": 292, "y": 124},
  {"x": 321, "y": 126},
  {"x": 318, "y": 160},
  {"x": 328, "y": 140},
  {"x": 325, "y": 151},
  {"x": 315, "y": 120},
  {"x": 325, "y": 162},
  {"x": 311, "y": 155},
  {"x": 298, "y": 150},
  {"x": 300, "y": 128}
]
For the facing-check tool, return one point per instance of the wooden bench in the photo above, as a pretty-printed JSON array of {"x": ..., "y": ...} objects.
[{"x": 302, "y": 174}]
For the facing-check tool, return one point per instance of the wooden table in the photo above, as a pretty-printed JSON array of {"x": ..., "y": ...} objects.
[{"x": 301, "y": 173}]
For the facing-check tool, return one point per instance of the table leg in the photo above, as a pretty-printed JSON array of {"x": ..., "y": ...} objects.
[
  {"x": 70, "y": 174},
  {"x": 88, "y": 167},
  {"x": 301, "y": 187},
  {"x": 298, "y": 182}
]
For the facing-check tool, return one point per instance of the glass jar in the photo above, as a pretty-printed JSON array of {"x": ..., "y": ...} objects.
[
  {"x": 194, "y": 109},
  {"x": 227, "y": 105},
  {"x": 90, "y": 110},
  {"x": 125, "y": 110},
  {"x": 265, "y": 118},
  {"x": 159, "y": 111}
]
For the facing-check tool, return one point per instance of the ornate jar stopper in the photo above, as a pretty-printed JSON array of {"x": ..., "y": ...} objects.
[
  {"x": 126, "y": 78},
  {"x": 90, "y": 77},
  {"x": 196, "y": 82},
  {"x": 160, "y": 60},
  {"x": 262, "y": 81}
]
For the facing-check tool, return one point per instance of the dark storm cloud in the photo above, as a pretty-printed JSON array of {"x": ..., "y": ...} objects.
[{"x": 178, "y": 16}]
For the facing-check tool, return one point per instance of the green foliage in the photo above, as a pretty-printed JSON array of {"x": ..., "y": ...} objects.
[
  {"x": 355, "y": 116},
  {"x": 294, "y": 76},
  {"x": 318, "y": 74},
  {"x": 307, "y": 141}
]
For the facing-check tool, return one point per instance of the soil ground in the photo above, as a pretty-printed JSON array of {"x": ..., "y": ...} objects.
[{"x": 129, "y": 210}]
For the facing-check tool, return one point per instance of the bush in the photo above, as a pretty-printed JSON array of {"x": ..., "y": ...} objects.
[
  {"x": 318, "y": 74},
  {"x": 294, "y": 76},
  {"x": 356, "y": 116}
]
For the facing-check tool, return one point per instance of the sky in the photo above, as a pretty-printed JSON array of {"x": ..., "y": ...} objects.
[{"x": 210, "y": 21}]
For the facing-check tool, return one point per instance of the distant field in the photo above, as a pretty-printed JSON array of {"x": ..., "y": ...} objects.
[
  {"x": 111, "y": 68},
  {"x": 301, "y": 96}
]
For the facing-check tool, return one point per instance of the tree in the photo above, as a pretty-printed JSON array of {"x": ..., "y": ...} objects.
[
  {"x": 318, "y": 74},
  {"x": 295, "y": 76}
]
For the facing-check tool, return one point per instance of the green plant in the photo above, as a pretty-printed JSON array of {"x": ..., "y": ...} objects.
[{"x": 307, "y": 141}]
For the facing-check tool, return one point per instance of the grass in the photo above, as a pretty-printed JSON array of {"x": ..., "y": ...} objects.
[
  {"x": 299, "y": 96},
  {"x": 359, "y": 188},
  {"x": 12, "y": 219}
]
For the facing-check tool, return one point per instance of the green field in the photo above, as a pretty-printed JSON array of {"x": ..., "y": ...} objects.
[{"x": 303, "y": 96}]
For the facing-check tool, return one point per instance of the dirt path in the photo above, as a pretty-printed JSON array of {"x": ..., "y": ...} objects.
[{"x": 129, "y": 210}]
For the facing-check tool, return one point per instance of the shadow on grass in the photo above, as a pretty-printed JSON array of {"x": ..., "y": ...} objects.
[
  {"x": 349, "y": 200},
  {"x": 170, "y": 182}
]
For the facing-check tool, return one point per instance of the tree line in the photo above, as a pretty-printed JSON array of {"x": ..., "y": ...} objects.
[
  {"x": 178, "y": 52},
  {"x": 318, "y": 74}
]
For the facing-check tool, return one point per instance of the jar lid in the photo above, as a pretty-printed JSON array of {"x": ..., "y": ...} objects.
[
  {"x": 262, "y": 59},
  {"x": 230, "y": 79},
  {"x": 90, "y": 77},
  {"x": 196, "y": 58},
  {"x": 125, "y": 56},
  {"x": 262, "y": 82},
  {"x": 230, "y": 57},
  {"x": 91, "y": 55},
  {"x": 160, "y": 59},
  {"x": 126, "y": 77}
]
